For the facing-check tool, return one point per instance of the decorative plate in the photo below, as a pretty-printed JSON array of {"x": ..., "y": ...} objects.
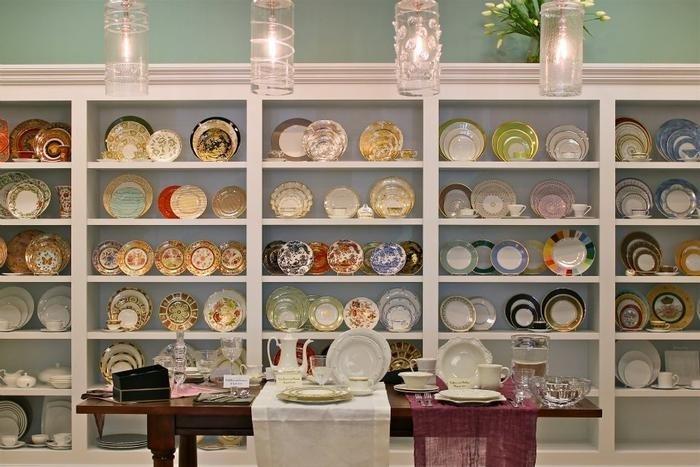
[
  {"x": 52, "y": 145},
  {"x": 130, "y": 306},
  {"x": 676, "y": 198},
  {"x": 458, "y": 257},
  {"x": 361, "y": 312},
  {"x": 215, "y": 139},
  {"x": 178, "y": 312},
  {"x": 225, "y": 311},
  {"x": 631, "y": 196},
  {"x": 119, "y": 357},
  {"x": 320, "y": 264},
  {"x": 634, "y": 240},
  {"x": 3, "y": 252},
  {"x": 326, "y": 313},
  {"x": 388, "y": 259},
  {"x": 287, "y": 138},
  {"x": 678, "y": 140},
  {"x": 514, "y": 141},
  {"x": 688, "y": 257},
  {"x": 170, "y": 258},
  {"x": 345, "y": 257},
  {"x": 457, "y": 313},
  {"x": 269, "y": 258},
  {"x": 295, "y": 258},
  {"x": 229, "y": 202},
  {"x": 28, "y": 199},
  {"x": 287, "y": 307},
  {"x": 47, "y": 254},
  {"x": 343, "y": 356},
  {"x": 4, "y": 141},
  {"x": 535, "y": 265},
  {"x": 491, "y": 198},
  {"x": 569, "y": 253},
  {"x": 392, "y": 197},
  {"x": 104, "y": 258},
  {"x": 567, "y": 143},
  {"x": 483, "y": 264},
  {"x": 127, "y": 138},
  {"x": 325, "y": 140},
  {"x": 484, "y": 314},
  {"x": 522, "y": 310},
  {"x": 22, "y": 136},
  {"x": 164, "y": 201},
  {"x": 135, "y": 258},
  {"x": 672, "y": 305},
  {"x": 632, "y": 140},
  {"x": 127, "y": 196},
  {"x": 563, "y": 310},
  {"x": 381, "y": 141},
  {"x": 509, "y": 257},
  {"x": 367, "y": 250},
  {"x": 314, "y": 395},
  {"x": 164, "y": 146},
  {"x": 7, "y": 181},
  {"x": 460, "y": 358},
  {"x": 341, "y": 203},
  {"x": 631, "y": 312},
  {"x": 461, "y": 140},
  {"x": 291, "y": 200},
  {"x": 233, "y": 259},
  {"x": 399, "y": 310},
  {"x": 16, "y": 249},
  {"x": 202, "y": 258},
  {"x": 454, "y": 198},
  {"x": 401, "y": 355},
  {"x": 552, "y": 199},
  {"x": 414, "y": 257},
  {"x": 188, "y": 202}
]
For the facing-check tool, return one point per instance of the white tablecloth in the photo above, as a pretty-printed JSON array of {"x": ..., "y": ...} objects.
[{"x": 354, "y": 433}]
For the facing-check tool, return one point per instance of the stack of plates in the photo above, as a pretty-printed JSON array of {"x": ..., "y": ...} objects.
[
  {"x": 130, "y": 306},
  {"x": 632, "y": 140},
  {"x": 461, "y": 140},
  {"x": 631, "y": 312},
  {"x": 563, "y": 310},
  {"x": 122, "y": 441},
  {"x": 55, "y": 305},
  {"x": 677, "y": 198},
  {"x": 491, "y": 198},
  {"x": 122, "y": 356},
  {"x": 552, "y": 199},
  {"x": 359, "y": 352},
  {"x": 678, "y": 140},
  {"x": 13, "y": 419},
  {"x": 399, "y": 310},
  {"x": 513, "y": 141},
  {"x": 470, "y": 396},
  {"x": 127, "y": 196},
  {"x": 315, "y": 395},
  {"x": 522, "y": 311},
  {"x": 641, "y": 253},
  {"x": 567, "y": 143},
  {"x": 287, "y": 306},
  {"x": 638, "y": 363},
  {"x": 392, "y": 197},
  {"x": 633, "y": 198},
  {"x": 61, "y": 381},
  {"x": 23, "y": 197},
  {"x": 459, "y": 257},
  {"x": 16, "y": 306}
]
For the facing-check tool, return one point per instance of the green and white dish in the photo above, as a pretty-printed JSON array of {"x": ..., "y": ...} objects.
[{"x": 513, "y": 141}]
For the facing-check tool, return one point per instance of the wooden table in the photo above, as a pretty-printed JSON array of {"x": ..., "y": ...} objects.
[{"x": 182, "y": 417}]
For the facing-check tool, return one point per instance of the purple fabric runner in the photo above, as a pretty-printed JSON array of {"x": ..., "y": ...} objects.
[{"x": 497, "y": 435}]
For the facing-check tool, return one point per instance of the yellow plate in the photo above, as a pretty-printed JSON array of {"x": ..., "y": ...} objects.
[
  {"x": 233, "y": 258},
  {"x": 170, "y": 258},
  {"x": 188, "y": 202},
  {"x": 381, "y": 141},
  {"x": 688, "y": 257},
  {"x": 135, "y": 258}
]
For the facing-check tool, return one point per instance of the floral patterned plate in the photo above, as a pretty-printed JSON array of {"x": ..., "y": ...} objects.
[
  {"x": 672, "y": 305},
  {"x": 164, "y": 146},
  {"x": 28, "y": 199},
  {"x": 178, "y": 311},
  {"x": 225, "y": 311},
  {"x": 104, "y": 258},
  {"x": 215, "y": 139},
  {"x": 361, "y": 312},
  {"x": 7, "y": 182},
  {"x": 47, "y": 255},
  {"x": 135, "y": 258},
  {"x": 345, "y": 257},
  {"x": 202, "y": 258},
  {"x": 16, "y": 249},
  {"x": 127, "y": 138},
  {"x": 388, "y": 259},
  {"x": 170, "y": 258},
  {"x": 552, "y": 199},
  {"x": 320, "y": 265},
  {"x": 295, "y": 258},
  {"x": 233, "y": 259}
]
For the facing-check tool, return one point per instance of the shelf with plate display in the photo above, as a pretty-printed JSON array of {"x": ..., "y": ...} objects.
[
  {"x": 506, "y": 335},
  {"x": 33, "y": 279},
  {"x": 38, "y": 391},
  {"x": 35, "y": 222},
  {"x": 167, "y": 222},
  {"x": 648, "y": 392},
  {"x": 520, "y": 279},
  {"x": 165, "y": 279},
  {"x": 511, "y": 165},
  {"x": 351, "y": 221},
  {"x": 520, "y": 221},
  {"x": 653, "y": 165},
  {"x": 342, "y": 279},
  {"x": 657, "y": 279},
  {"x": 342, "y": 165},
  {"x": 691, "y": 335},
  {"x": 318, "y": 335},
  {"x": 168, "y": 166},
  {"x": 689, "y": 222},
  {"x": 161, "y": 335},
  {"x": 35, "y": 335},
  {"x": 35, "y": 166}
]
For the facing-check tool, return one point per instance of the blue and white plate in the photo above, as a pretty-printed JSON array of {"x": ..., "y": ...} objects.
[
  {"x": 388, "y": 259},
  {"x": 676, "y": 198},
  {"x": 678, "y": 140},
  {"x": 510, "y": 257}
]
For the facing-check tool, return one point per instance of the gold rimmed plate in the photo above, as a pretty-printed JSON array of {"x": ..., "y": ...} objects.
[
  {"x": 229, "y": 202},
  {"x": 128, "y": 196},
  {"x": 130, "y": 306},
  {"x": 127, "y": 137},
  {"x": 170, "y": 258},
  {"x": 104, "y": 258},
  {"x": 47, "y": 255},
  {"x": 188, "y": 202},
  {"x": 135, "y": 258},
  {"x": 233, "y": 259},
  {"x": 202, "y": 258},
  {"x": 178, "y": 312},
  {"x": 215, "y": 139},
  {"x": 381, "y": 141},
  {"x": 672, "y": 305},
  {"x": 287, "y": 138}
]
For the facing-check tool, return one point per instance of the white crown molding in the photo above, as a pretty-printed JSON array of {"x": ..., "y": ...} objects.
[{"x": 352, "y": 73}]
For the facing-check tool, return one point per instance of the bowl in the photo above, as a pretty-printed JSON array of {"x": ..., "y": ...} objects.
[
  {"x": 416, "y": 379},
  {"x": 559, "y": 391}
]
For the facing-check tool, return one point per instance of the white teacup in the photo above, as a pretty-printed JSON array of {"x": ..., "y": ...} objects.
[
  {"x": 254, "y": 372},
  {"x": 580, "y": 210},
  {"x": 667, "y": 379},
  {"x": 491, "y": 375},
  {"x": 40, "y": 438},
  {"x": 4, "y": 325},
  {"x": 62, "y": 439},
  {"x": 358, "y": 384},
  {"x": 639, "y": 213},
  {"x": 8, "y": 440},
  {"x": 55, "y": 325},
  {"x": 516, "y": 210},
  {"x": 424, "y": 364},
  {"x": 467, "y": 212},
  {"x": 415, "y": 379},
  {"x": 695, "y": 384}
]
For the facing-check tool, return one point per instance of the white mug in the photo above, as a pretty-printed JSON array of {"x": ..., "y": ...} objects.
[
  {"x": 667, "y": 379},
  {"x": 358, "y": 383},
  {"x": 424, "y": 364},
  {"x": 580, "y": 210},
  {"x": 62, "y": 439},
  {"x": 516, "y": 210},
  {"x": 491, "y": 376}
]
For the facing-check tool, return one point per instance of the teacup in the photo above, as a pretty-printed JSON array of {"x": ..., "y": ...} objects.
[
  {"x": 415, "y": 379},
  {"x": 491, "y": 376},
  {"x": 516, "y": 210},
  {"x": 467, "y": 212},
  {"x": 667, "y": 379},
  {"x": 114, "y": 324},
  {"x": 254, "y": 372},
  {"x": 55, "y": 325},
  {"x": 8, "y": 440},
  {"x": 358, "y": 384},
  {"x": 653, "y": 324},
  {"x": 4, "y": 325},
  {"x": 695, "y": 384},
  {"x": 62, "y": 439},
  {"x": 40, "y": 438},
  {"x": 580, "y": 210},
  {"x": 666, "y": 269},
  {"x": 424, "y": 364},
  {"x": 639, "y": 213}
]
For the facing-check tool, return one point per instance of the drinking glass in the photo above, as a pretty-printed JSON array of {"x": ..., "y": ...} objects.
[
  {"x": 180, "y": 364},
  {"x": 319, "y": 370},
  {"x": 205, "y": 363},
  {"x": 521, "y": 378},
  {"x": 231, "y": 348},
  {"x": 167, "y": 362}
]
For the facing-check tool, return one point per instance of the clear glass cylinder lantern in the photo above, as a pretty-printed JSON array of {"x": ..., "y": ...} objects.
[
  {"x": 272, "y": 47},
  {"x": 126, "y": 47},
  {"x": 561, "y": 48},
  {"x": 417, "y": 46}
]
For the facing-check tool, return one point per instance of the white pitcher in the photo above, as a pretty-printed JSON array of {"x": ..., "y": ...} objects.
[{"x": 288, "y": 356}]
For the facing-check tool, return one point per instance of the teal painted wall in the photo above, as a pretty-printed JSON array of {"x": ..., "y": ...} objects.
[{"x": 192, "y": 31}]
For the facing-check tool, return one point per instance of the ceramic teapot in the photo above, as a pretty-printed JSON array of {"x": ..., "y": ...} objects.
[
  {"x": 10, "y": 379},
  {"x": 56, "y": 370},
  {"x": 26, "y": 381},
  {"x": 288, "y": 354}
]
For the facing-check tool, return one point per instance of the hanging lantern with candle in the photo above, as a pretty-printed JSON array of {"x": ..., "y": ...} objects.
[
  {"x": 272, "y": 47},
  {"x": 561, "y": 48},
  {"x": 126, "y": 47}
]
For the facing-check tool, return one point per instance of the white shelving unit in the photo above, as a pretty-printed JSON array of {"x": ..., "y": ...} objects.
[{"x": 179, "y": 102}]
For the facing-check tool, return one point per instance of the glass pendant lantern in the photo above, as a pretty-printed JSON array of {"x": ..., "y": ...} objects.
[
  {"x": 272, "y": 47},
  {"x": 126, "y": 47},
  {"x": 561, "y": 48},
  {"x": 418, "y": 48}
]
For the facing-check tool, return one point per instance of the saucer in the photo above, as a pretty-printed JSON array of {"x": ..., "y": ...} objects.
[
  {"x": 692, "y": 388},
  {"x": 16, "y": 446},
  {"x": 14, "y": 274},
  {"x": 21, "y": 159},
  {"x": 647, "y": 216},
  {"x": 657, "y": 330},
  {"x": 427, "y": 388},
  {"x": 656, "y": 386},
  {"x": 582, "y": 217},
  {"x": 33, "y": 445},
  {"x": 473, "y": 216},
  {"x": 53, "y": 445},
  {"x": 361, "y": 392},
  {"x": 675, "y": 273},
  {"x": 49, "y": 330},
  {"x": 516, "y": 217}
]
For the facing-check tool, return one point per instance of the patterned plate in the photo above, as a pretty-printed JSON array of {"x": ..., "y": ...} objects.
[
  {"x": 164, "y": 146},
  {"x": 215, "y": 139},
  {"x": 491, "y": 198},
  {"x": 291, "y": 200},
  {"x": 402, "y": 353},
  {"x": 3, "y": 252},
  {"x": 388, "y": 259},
  {"x": 399, "y": 310},
  {"x": 50, "y": 143},
  {"x": 635, "y": 240},
  {"x": 687, "y": 257},
  {"x": 127, "y": 196},
  {"x": 269, "y": 258},
  {"x": 514, "y": 141},
  {"x": 632, "y": 140},
  {"x": 325, "y": 313},
  {"x": 178, "y": 312},
  {"x": 22, "y": 136},
  {"x": 130, "y": 306},
  {"x": 569, "y": 253},
  {"x": 361, "y": 312},
  {"x": 16, "y": 249},
  {"x": 170, "y": 258},
  {"x": 672, "y": 305},
  {"x": 485, "y": 314},
  {"x": 563, "y": 310},
  {"x": 392, "y": 197},
  {"x": 320, "y": 264},
  {"x": 7, "y": 181},
  {"x": 631, "y": 312},
  {"x": 461, "y": 139},
  {"x": 229, "y": 202},
  {"x": 325, "y": 140},
  {"x": 47, "y": 255},
  {"x": 188, "y": 202},
  {"x": 295, "y": 258},
  {"x": 632, "y": 194},
  {"x": 202, "y": 258},
  {"x": 135, "y": 258},
  {"x": 414, "y": 257},
  {"x": 128, "y": 354},
  {"x": 522, "y": 310},
  {"x": 381, "y": 141},
  {"x": 552, "y": 199},
  {"x": 4, "y": 141},
  {"x": 28, "y": 199},
  {"x": 104, "y": 258},
  {"x": 567, "y": 143},
  {"x": 484, "y": 266},
  {"x": 225, "y": 311},
  {"x": 164, "y": 201},
  {"x": 233, "y": 259},
  {"x": 510, "y": 257},
  {"x": 127, "y": 138},
  {"x": 345, "y": 257},
  {"x": 457, "y": 313},
  {"x": 676, "y": 198}
]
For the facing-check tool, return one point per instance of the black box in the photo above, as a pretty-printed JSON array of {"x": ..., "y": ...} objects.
[{"x": 147, "y": 384}]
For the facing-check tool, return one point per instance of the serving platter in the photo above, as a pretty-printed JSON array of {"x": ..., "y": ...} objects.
[{"x": 215, "y": 139}]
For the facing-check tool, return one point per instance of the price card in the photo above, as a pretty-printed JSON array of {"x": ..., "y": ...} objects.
[
  {"x": 236, "y": 381},
  {"x": 459, "y": 383},
  {"x": 288, "y": 379}
]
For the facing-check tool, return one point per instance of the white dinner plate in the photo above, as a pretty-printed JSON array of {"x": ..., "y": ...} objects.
[
  {"x": 460, "y": 357},
  {"x": 359, "y": 352}
]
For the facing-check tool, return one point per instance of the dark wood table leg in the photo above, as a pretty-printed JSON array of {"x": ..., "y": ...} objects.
[
  {"x": 99, "y": 422},
  {"x": 187, "y": 455},
  {"x": 161, "y": 439}
]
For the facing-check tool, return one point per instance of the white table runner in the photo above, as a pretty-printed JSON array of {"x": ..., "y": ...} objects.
[{"x": 354, "y": 433}]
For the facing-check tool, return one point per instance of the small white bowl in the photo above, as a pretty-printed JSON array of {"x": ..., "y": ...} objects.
[{"x": 416, "y": 379}]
